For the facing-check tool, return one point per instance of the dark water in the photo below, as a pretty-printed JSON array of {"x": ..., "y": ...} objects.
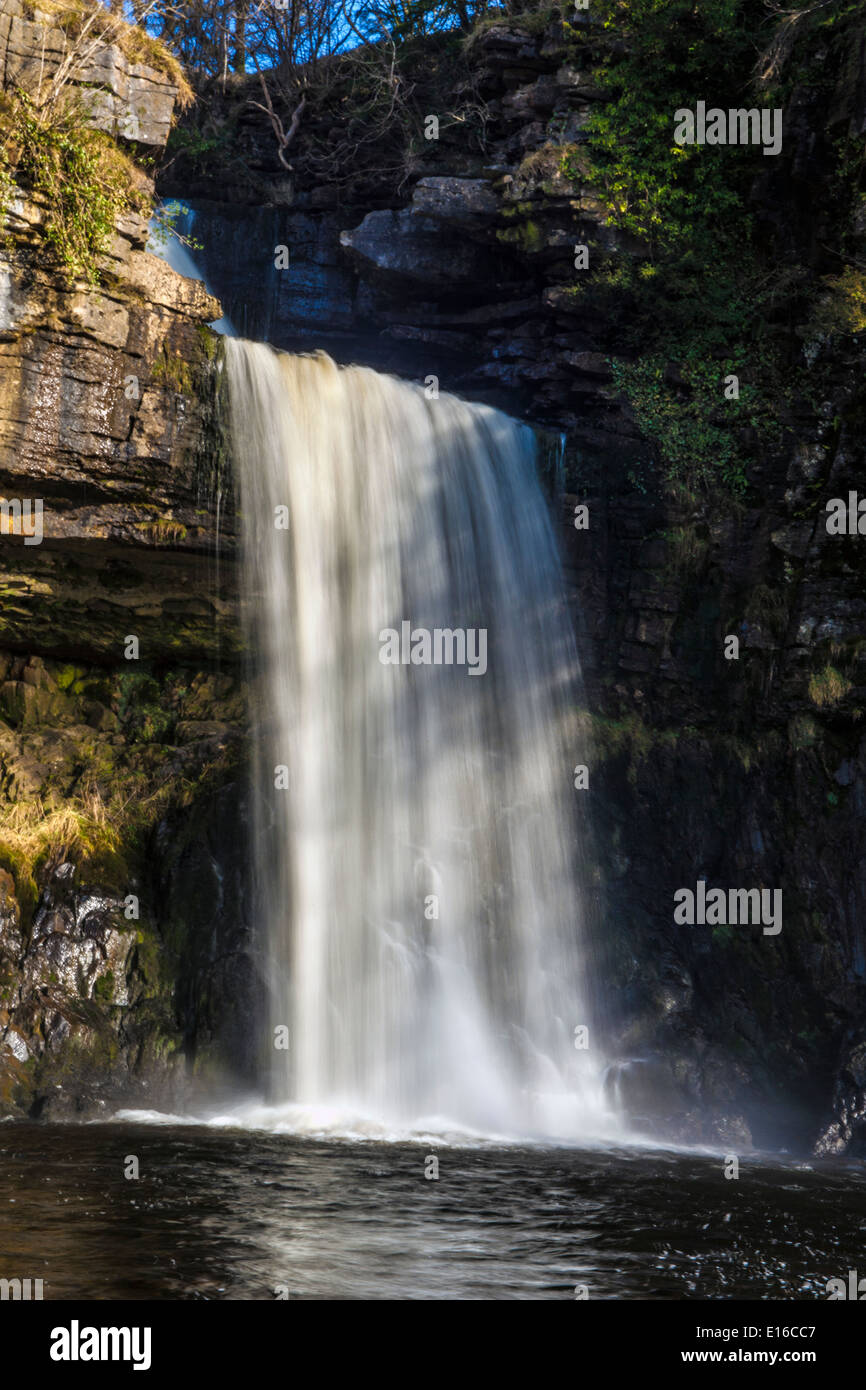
[{"x": 235, "y": 1215}]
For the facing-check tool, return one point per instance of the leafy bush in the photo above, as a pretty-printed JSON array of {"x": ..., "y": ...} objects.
[
  {"x": 81, "y": 173},
  {"x": 698, "y": 431},
  {"x": 701, "y": 291},
  {"x": 669, "y": 54},
  {"x": 842, "y": 305}
]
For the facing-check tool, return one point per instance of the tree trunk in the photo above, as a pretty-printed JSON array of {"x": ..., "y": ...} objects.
[{"x": 239, "y": 61}]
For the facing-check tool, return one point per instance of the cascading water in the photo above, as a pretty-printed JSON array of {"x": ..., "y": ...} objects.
[{"x": 415, "y": 861}]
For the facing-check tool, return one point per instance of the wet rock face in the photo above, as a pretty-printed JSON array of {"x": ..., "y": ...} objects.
[
  {"x": 406, "y": 246},
  {"x": 427, "y": 243},
  {"x": 61, "y": 977},
  {"x": 115, "y": 761},
  {"x": 126, "y": 954},
  {"x": 108, "y": 408},
  {"x": 73, "y": 968},
  {"x": 101, "y": 425},
  {"x": 75, "y": 944}
]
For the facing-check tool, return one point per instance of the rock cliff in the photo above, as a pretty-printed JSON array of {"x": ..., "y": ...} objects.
[
  {"x": 460, "y": 262},
  {"x": 123, "y": 927},
  {"x": 454, "y": 257}
]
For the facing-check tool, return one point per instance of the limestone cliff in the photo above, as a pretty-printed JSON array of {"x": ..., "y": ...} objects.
[{"x": 122, "y": 920}]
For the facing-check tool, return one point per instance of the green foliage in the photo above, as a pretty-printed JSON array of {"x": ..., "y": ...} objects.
[
  {"x": 683, "y": 199},
  {"x": 841, "y": 307},
  {"x": 697, "y": 293},
  {"x": 689, "y": 419},
  {"x": 710, "y": 326},
  {"x": 700, "y": 289},
  {"x": 141, "y": 709},
  {"x": 197, "y": 145},
  {"x": 79, "y": 171},
  {"x": 164, "y": 224},
  {"x": 686, "y": 205}
]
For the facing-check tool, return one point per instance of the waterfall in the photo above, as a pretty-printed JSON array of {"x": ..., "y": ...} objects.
[
  {"x": 168, "y": 245},
  {"x": 414, "y": 826}
]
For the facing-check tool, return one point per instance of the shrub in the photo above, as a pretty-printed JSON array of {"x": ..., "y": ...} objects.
[
  {"x": 828, "y": 687},
  {"x": 80, "y": 172}
]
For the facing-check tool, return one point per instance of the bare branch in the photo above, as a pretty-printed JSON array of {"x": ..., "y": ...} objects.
[{"x": 284, "y": 137}]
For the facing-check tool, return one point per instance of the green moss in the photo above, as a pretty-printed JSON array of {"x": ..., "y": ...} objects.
[
  {"x": 171, "y": 369},
  {"x": 103, "y": 990},
  {"x": 528, "y": 236},
  {"x": 209, "y": 342},
  {"x": 629, "y": 738},
  {"x": 211, "y": 455},
  {"x": 68, "y": 676}
]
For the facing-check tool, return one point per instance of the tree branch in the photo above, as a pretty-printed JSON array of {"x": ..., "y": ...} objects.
[{"x": 284, "y": 137}]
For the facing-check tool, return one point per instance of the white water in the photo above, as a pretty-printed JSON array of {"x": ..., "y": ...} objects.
[{"x": 409, "y": 781}]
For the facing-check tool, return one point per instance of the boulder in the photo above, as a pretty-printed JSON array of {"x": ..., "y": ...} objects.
[{"x": 404, "y": 246}]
